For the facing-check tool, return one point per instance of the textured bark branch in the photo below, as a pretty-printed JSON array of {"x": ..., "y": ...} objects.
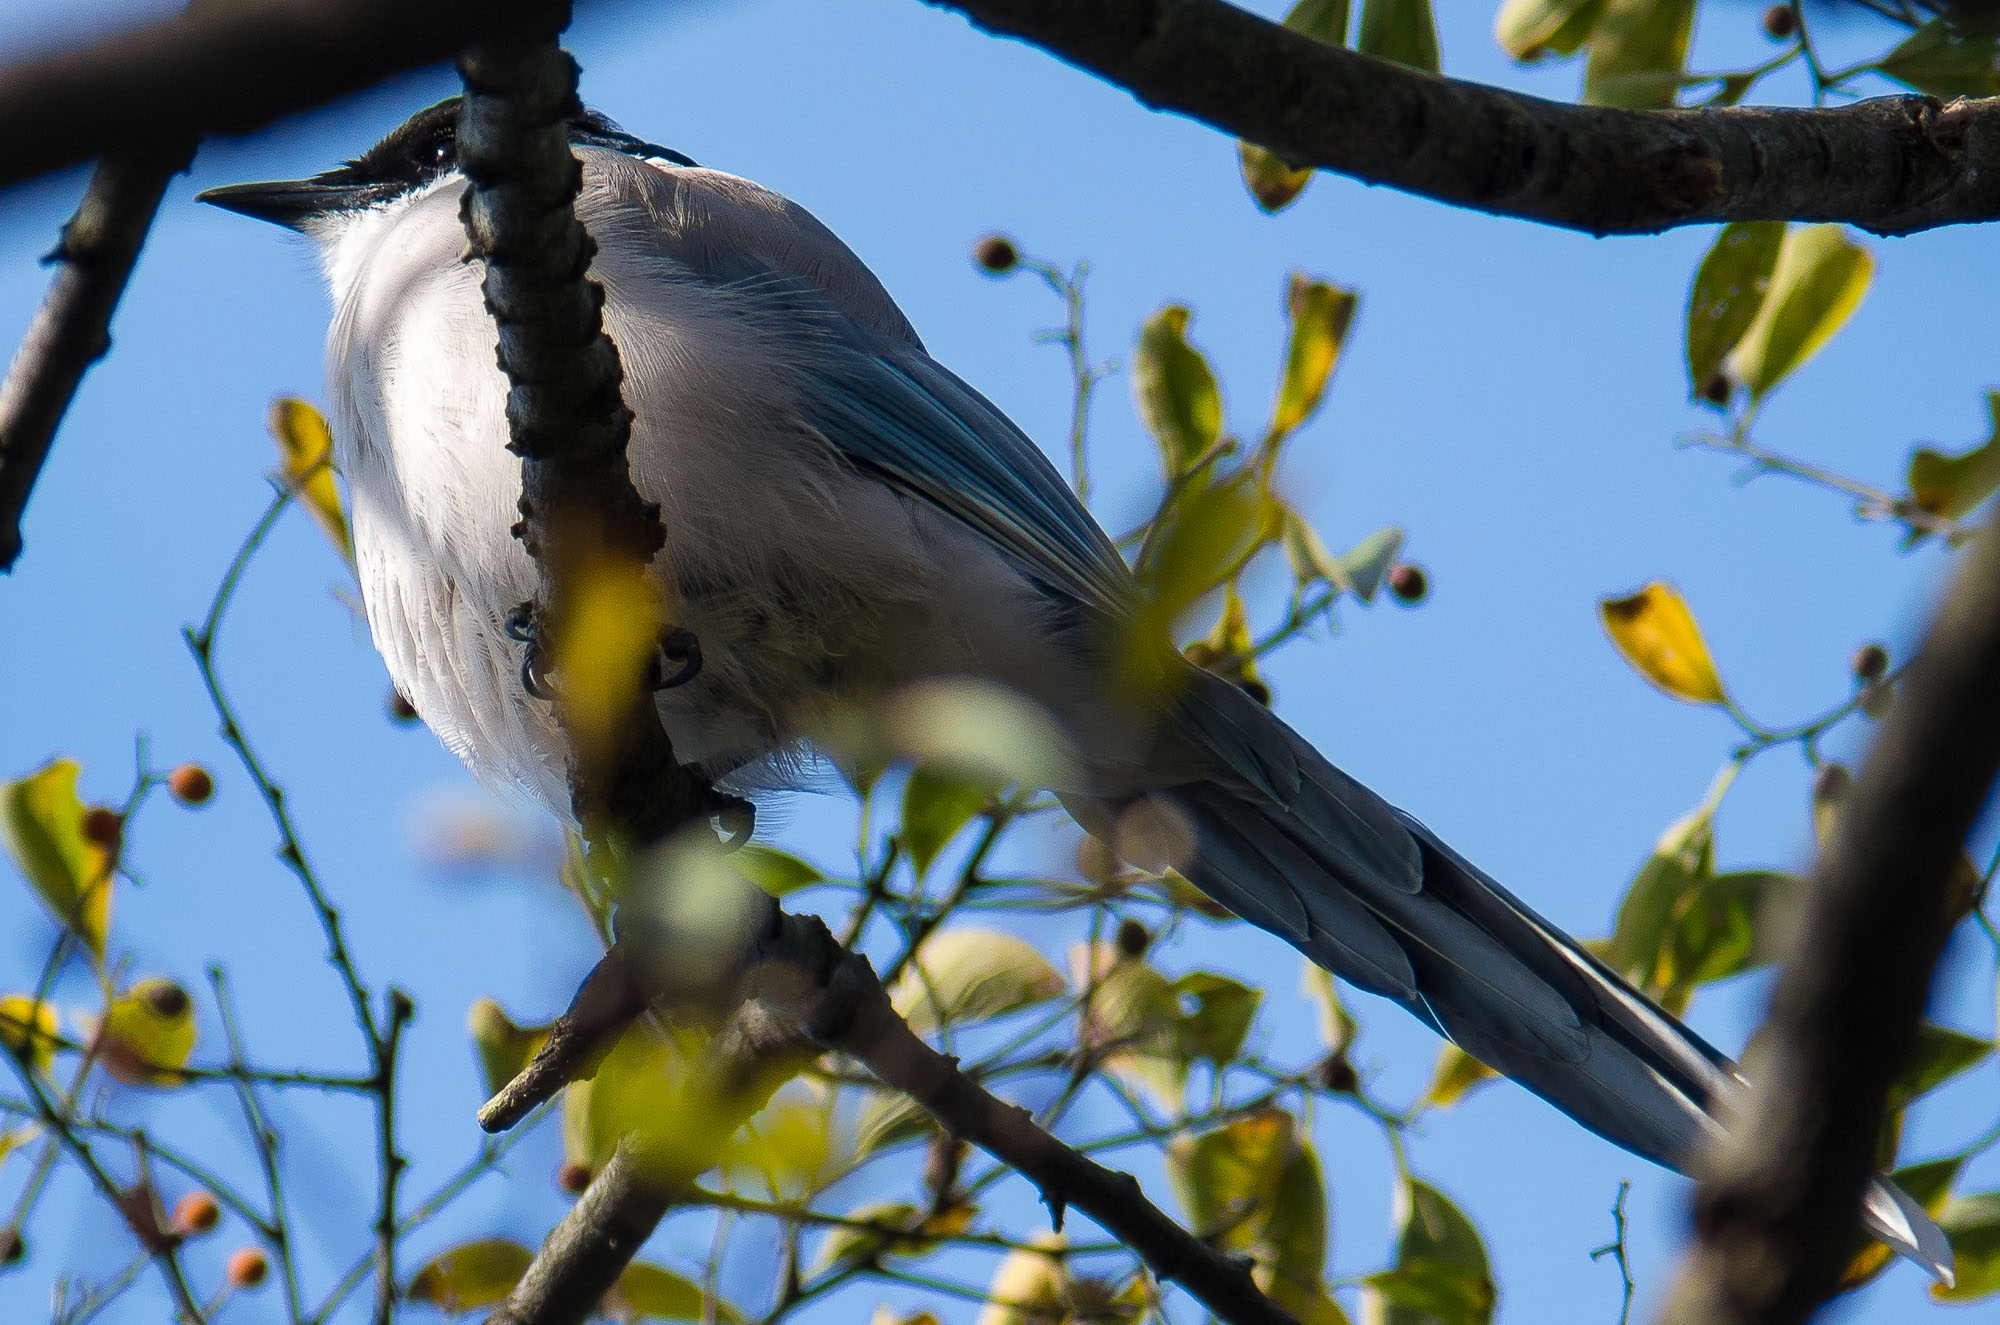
[
  {"x": 1777, "y": 1213},
  {"x": 584, "y": 1254},
  {"x": 72, "y": 329},
  {"x": 1891, "y": 165}
]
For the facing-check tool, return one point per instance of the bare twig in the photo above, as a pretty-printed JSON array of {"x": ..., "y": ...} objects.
[
  {"x": 1777, "y": 1214},
  {"x": 1891, "y": 165}
]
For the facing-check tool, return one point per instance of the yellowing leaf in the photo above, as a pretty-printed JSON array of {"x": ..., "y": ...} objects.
[
  {"x": 1817, "y": 283},
  {"x": 1228, "y": 649},
  {"x": 1456, "y": 1075},
  {"x": 894, "y": 1228},
  {"x": 1441, "y": 1275},
  {"x": 1320, "y": 315},
  {"x": 148, "y": 1033},
  {"x": 1175, "y": 390},
  {"x": 29, "y": 1030},
  {"x": 1953, "y": 486},
  {"x": 1253, "y": 1187},
  {"x": 1729, "y": 288},
  {"x": 472, "y": 1274},
  {"x": 1638, "y": 49},
  {"x": 651, "y": 1292},
  {"x": 1399, "y": 30},
  {"x": 305, "y": 450},
  {"x": 611, "y": 638},
  {"x": 788, "y": 1145},
  {"x": 504, "y": 1048},
  {"x": 1272, "y": 184},
  {"x": 1657, "y": 634},
  {"x": 42, "y": 821},
  {"x": 966, "y": 974},
  {"x": 1531, "y": 29}
]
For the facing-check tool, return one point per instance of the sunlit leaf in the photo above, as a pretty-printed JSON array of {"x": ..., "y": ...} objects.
[
  {"x": 29, "y": 1029},
  {"x": 1399, "y": 30},
  {"x": 1683, "y": 857},
  {"x": 1953, "y": 486},
  {"x": 889, "y": 1118},
  {"x": 504, "y": 1048},
  {"x": 937, "y": 802},
  {"x": 1320, "y": 315},
  {"x": 965, "y": 974},
  {"x": 1030, "y": 1287},
  {"x": 1132, "y": 1019},
  {"x": 1175, "y": 390},
  {"x": 1638, "y": 49},
  {"x": 610, "y": 638},
  {"x": 778, "y": 873},
  {"x": 305, "y": 454},
  {"x": 978, "y": 729},
  {"x": 788, "y": 1145},
  {"x": 652, "y": 1292},
  {"x": 1457, "y": 1074},
  {"x": 1441, "y": 1273},
  {"x": 1729, "y": 288},
  {"x": 1532, "y": 29},
  {"x": 472, "y": 1274},
  {"x": 1949, "y": 57},
  {"x": 1940, "y": 1054},
  {"x": 1253, "y": 1187},
  {"x": 1200, "y": 543},
  {"x": 42, "y": 820},
  {"x": 1214, "y": 1030},
  {"x": 1723, "y": 926},
  {"x": 148, "y": 1033},
  {"x": 1336, "y": 1024},
  {"x": 1657, "y": 634},
  {"x": 1972, "y": 1224},
  {"x": 1929, "y": 1185},
  {"x": 1817, "y": 283}
]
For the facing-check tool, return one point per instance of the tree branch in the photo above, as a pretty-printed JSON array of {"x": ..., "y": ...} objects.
[
  {"x": 1777, "y": 1214},
  {"x": 71, "y": 330},
  {"x": 1891, "y": 165}
]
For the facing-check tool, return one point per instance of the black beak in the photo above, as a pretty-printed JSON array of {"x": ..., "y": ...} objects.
[{"x": 292, "y": 203}]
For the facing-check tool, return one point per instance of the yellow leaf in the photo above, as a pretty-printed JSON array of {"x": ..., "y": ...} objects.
[
  {"x": 1952, "y": 486},
  {"x": 28, "y": 1029},
  {"x": 472, "y": 1274},
  {"x": 611, "y": 635},
  {"x": 651, "y": 1292},
  {"x": 1273, "y": 184},
  {"x": 1531, "y": 29},
  {"x": 1320, "y": 315},
  {"x": 148, "y": 1033},
  {"x": 1638, "y": 50},
  {"x": 1817, "y": 283},
  {"x": 305, "y": 450},
  {"x": 42, "y": 821},
  {"x": 1657, "y": 634},
  {"x": 1175, "y": 390},
  {"x": 504, "y": 1048},
  {"x": 1457, "y": 1073}
]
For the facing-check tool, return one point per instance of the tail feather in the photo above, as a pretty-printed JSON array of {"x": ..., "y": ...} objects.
[{"x": 1370, "y": 894}]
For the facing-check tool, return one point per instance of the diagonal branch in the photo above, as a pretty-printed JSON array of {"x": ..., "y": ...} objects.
[
  {"x": 1777, "y": 1214},
  {"x": 1892, "y": 165}
]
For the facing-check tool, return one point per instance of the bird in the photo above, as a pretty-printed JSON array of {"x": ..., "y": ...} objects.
[{"x": 845, "y": 517}]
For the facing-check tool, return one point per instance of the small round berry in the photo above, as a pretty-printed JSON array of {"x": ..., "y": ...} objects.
[
  {"x": 247, "y": 1268},
  {"x": 1780, "y": 22},
  {"x": 1408, "y": 582},
  {"x": 1871, "y": 662},
  {"x": 1716, "y": 390},
  {"x": 1338, "y": 1075},
  {"x": 573, "y": 1177},
  {"x": 104, "y": 826},
  {"x": 1133, "y": 938},
  {"x": 13, "y": 1249},
  {"x": 191, "y": 784},
  {"x": 996, "y": 255},
  {"x": 401, "y": 711},
  {"x": 196, "y": 1213},
  {"x": 166, "y": 998}
]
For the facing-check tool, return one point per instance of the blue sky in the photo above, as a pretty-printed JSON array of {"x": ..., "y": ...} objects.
[{"x": 1510, "y": 397}]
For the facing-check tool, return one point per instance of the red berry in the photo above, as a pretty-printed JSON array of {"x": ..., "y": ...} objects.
[
  {"x": 996, "y": 254},
  {"x": 573, "y": 1178},
  {"x": 191, "y": 784},
  {"x": 196, "y": 1213},
  {"x": 104, "y": 826},
  {"x": 1408, "y": 582},
  {"x": 247, "y": 1267}
]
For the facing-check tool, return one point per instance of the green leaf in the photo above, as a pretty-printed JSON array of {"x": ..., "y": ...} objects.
[
  {"x": 899, "y": 1229},
  {"x": 1254, "y": 1188},
  {"x": 1204, "y": 538},
  {"x": 651, "y": 1292},
  {"x": 1638, "y": 49},
  {"x": 1320, "y": 315},
  {"x": 41, "y": 819},
  {"x": 1322, "y": 20},
  {"x": 1953, "y": 486},
  {"x": 472, "y": 1274},
  {"x": 1399, "y": 30},
  {"x": 1972, "y": 1224},
  {"x": 889, "y": 1118},
  {"x": 965, "y": 975},
  {"x": 1224, "y": 1008},
  {"x": 1729, "y": 288},
  {"x": 1683, "y": 857},
  {"x": 1456, "y": 1075},
  {"x": 778, "y": 873},
  {"x": 1929, "y": 1185},
  {"x": 937, "y": 802},
  {"x": 1532, "y": 29},
  {"x": 1132, "y": 1019},
  {"x": 1441, "y": 1272},
  {"x": 1818, "y": 282},
  {"x": 1941, "y": 1054},
  {"x": 1948, "y": 57},
  {"x": 305, "y": 449},
  {"x": 1720, "y": 927},
  {"x": 504, "y": 1047},
  {"x": 1175, "y": 390}
]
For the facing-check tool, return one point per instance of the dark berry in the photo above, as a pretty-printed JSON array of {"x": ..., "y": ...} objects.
[
  {"x": 1408, "y": 582},
  {"x": 191, "y": 784},
  {"x": 996, "y": 254}
]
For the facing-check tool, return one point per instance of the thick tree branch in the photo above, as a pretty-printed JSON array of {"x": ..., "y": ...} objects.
[
  {"x": 1892, "y": 165},
  {"x": 1777, "y": 1214},
  {"x": 71, "y": 330}
]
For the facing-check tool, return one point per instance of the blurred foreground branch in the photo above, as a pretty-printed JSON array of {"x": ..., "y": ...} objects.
[
  {"x": 1891, "y": 165},
  {"x": 1778, "y": 1213}
]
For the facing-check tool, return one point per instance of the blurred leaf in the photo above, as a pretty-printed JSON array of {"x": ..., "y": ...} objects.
[
  {"x": 147, "y": 1033},
  {"x": 1229, "y": 649},
  {"x": 1657, "y": 634},
  {"x": 651, "y": 1292},
  {"x": 1363, "y": 565},
  {"x": 1972, "y": 1223},
  {"x": 1322, "y": 20},
  {"x": 888, "y": 1118},
  {"x": 778, "y": 873},
  {"x": 1175, "y": 888},
  {"x": 1929, "y": 1185},
  {"x": 305, "y": 453},
  {"x": 964, "y": 975},
  {"x": 1399, "y": 30},
  {"x": 1729, "y": 288},
  {"x": 1684, "y": 855},
  {"x": 1320, "y": 315},
  {"x": 1224, "y": 1009},
  {"x": 1721, "y": 927},
  {"x": 1457, "y": 1074},
  {"x": 1030, "y": 1287},
  {"x": 1953, "y": 486},
  {"x": 788, "y": 1144},
  {"x": 1940, "y": 1054},
  {"x": 472, "y": 1274},
  {"x": 899, "y": 1229},
  {"x": 937, "y": 802},
  {"x": 1132, "y": 1018},
  {"x": 1440, "y": 1274},
  {"x": 1948, "y": 57},
  {"x": 1336, "y": 1023},
  {"x": 1253, "y": 1187},
  {"x": 884, "y": 1316},
  {"x": 504, "y": 1047},
  {"x": 1273, "y": 185},
  {"x": 611, "y": 636},
  {"x": 1175, "y": 390},
  {"x": 979, "y": 730},
  {"x": 1638, "y": 49},
  {"x": 1817, "y": 283},
  {"x": 29, "y": 1029},
  {"x": 42, "y": 820},
  {"x": 1200, "y": 542},
  {"x": 13, "y": 1139},
  {"x": 1532, "y": 29}
]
